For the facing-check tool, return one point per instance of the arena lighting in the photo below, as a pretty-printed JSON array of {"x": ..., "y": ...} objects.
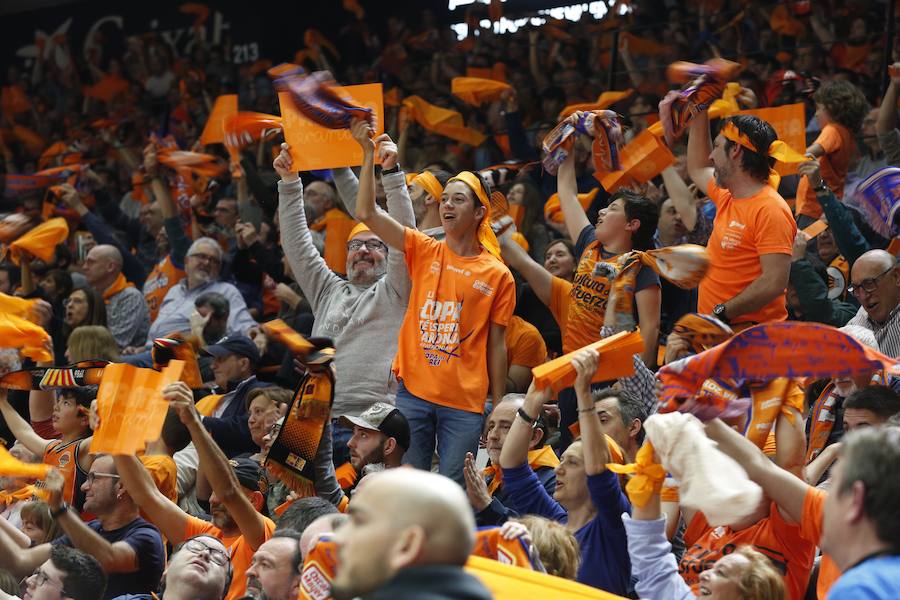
[{"x": 572, "y": 12}]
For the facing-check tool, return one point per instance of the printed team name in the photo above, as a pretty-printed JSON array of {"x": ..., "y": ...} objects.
[
  {"x": 439, "y": 330},
  {"x": 590, "y": 291}
]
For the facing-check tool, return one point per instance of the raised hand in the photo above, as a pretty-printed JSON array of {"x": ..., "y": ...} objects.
[
  {"x": 387, "y": 151},
  {"x": 362, "y": 132},
  {"x": 283, "y": 165}
]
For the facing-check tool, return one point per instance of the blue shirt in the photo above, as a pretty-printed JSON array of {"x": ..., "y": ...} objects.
[
  {"x": 603, "y": 543},
  {"x": 875, "y": 579}
]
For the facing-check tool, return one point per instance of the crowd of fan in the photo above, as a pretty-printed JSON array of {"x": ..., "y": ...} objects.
[{"x": 378, "y": 261}]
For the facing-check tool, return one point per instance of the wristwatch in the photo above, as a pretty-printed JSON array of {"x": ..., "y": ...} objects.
[
  {"x": 822, "y": 187},
  {"x": 394, "y": 169},
  {"x": 527, "y": 418},
  {"x": 719, "y": 313},
  {"x": 55, "y": 514}
]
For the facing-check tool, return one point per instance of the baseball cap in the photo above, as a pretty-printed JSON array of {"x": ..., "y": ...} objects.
[
  {"x": 250, "y": 474},
  {"x": 233, "y": 344},
  {"x": 385, "y": 418}
]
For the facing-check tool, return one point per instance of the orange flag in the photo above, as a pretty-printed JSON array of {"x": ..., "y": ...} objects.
[
  {"x": 333, "y": 147},
  {"x": 225, "y": 106},
  {"x": 442, "y": 121},
  {"x": 244, "y": 128},
  {"x": 496, "y": 72},
  {"x": 41, "y": 241},
  {"x": 10, "y": 466},
  {"x": 131, "y": 407},
  {"x": 643, "y": 158},
  {"x": 553, "y": 210},
  {"x": 19, "y": 307},
  {"x": 284, "y": 333},
  {"x": 604, "y": 100},
  {"x": 507, "y": 582},
  {"x": 392, "y": 97},
  {"x": 616, "y": 360},
  {"x": 24, "y": 336},
  {"x": 106, "y": 89},
  {"x": 726, "y": 105},
  {"x": 475, "y": 91},
  {"x": 206, "y": 165},
  {"x": 789, "y": 122}
]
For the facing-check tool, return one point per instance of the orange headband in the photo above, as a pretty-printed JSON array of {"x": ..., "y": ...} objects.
[
  {"x": 430, "y": 184},
  {"x": 357, "y": 229},
  {"x": 486, "y": 235},
  {"x": 777, "y": 150}
]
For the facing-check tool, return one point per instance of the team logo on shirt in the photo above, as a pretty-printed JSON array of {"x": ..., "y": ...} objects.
[
  {"x": 464, "y": 272},
  {"x": 483, "y": 288},
  {"x": 733, "y": 235},
  {"x": 64, "y": 459},
  {"x": 439, "y": 330},
  {"x": 315, "y": 583},
  {"x": 435, "y": 267}
]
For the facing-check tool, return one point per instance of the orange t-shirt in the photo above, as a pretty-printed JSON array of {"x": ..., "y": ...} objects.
[
  {"x": 442, "y": 345},
  {"x": 163, "y": 276},
  {"x": 524, "y": 344},
  {"x": 744, "y": 230},
  {"x": 838, "y": 144},
  {"x": 164, "y": 473},
  {"x": 779, "y": 540},
  {"x": 811, "y": 530},
  {"x": 579, "y": 307},
  {"x": 240, "y": 551}
]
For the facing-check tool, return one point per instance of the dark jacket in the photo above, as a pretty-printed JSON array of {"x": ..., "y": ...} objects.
[
  {"x": 813, "y": 295},
  {"x": 431, "y": 583},
  {"x": 231, "y": 431},
  {"x": 497, "y": 512}
]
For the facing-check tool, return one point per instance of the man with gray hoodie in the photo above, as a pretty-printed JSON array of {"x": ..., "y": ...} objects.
[{"x": 362, "y": 314}]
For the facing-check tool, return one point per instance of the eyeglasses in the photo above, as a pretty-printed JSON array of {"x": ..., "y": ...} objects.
[
  {"x": 91, "y": 477},
  {"x": 39, "y": 578},
  {"x": 206, "y": 258},
  {"x": 868, "y": 285},
  {"x": 371, "y": 245},
  {"x": 197, "y": 547}
]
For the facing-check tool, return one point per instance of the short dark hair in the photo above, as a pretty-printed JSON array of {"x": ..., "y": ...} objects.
[
  {"x": 640, "y": 208},
  {"x": 880, "y": 399},
  {"x": 12, "y": 272},
  {"x": 872, "y": 456},
  {"x": 84, "y": 578},
  {"x": 761, "y": 135},
  {"x": 63, "y": 281},
  {"x": 174, "y": 433},
  {"x": 441, "y": 175},
  {"x": 630, "y": 408},
  {"x": 216, "y": 301},
  {"x": 304, "y": 511},
  {"x": 297, "y": 560}
]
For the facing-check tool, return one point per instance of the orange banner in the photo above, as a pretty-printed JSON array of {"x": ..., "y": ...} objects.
[
  {"x": 282, "y": 332},
  {"x": 10, "y": 466},
  {"x": 214, "y": 131},
  {"x": 333, "y": 147},
  {"x": 442, "y": 121},
  {"x": 131, "y": 407},
  {"x": 789, "y": 122},
  {"x": 643, "y": 158},
  {"x": 19, "y": 307},
  {"x": 507, "y": 582},
  {"x": 616, "y": 360},
  {"x": 476, "y": 90},
  {"x": 604, "y": 100},
  {"x": 25, "y": 336},
  {"x": 41, "y": 241},
  {"x": 815, "y": 228}
]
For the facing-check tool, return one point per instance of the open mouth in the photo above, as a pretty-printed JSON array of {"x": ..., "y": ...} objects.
[{"x": 704, "y": 591}]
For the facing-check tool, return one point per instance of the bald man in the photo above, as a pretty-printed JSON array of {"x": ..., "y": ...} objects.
[
  {"x": 875, "y": 282},
  {"x": 127, "y": 316},
  {"x": 409, "y": 535}
]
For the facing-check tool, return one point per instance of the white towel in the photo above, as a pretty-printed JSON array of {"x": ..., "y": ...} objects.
[{"x": 708, "y": 480}]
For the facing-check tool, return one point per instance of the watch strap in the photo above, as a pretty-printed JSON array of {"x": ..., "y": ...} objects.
[{"x": 57, "y": 513}]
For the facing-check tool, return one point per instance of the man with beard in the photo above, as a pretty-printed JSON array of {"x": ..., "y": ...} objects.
[
  {"x": 753, "y": 233},
  {"x": 129, "y": 549},
  {"x": 380, "y": 435},
  {"x": 410, "y": 533},
  {"x": 199, "y": 569},
  {"x": 362, "y": 314},
  {"x": 239, "y": 487}
]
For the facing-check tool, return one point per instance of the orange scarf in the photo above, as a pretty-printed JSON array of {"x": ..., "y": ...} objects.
[
  {"x": 486, "y": 236},
  {"x": 778, "y": 150},
  {"x": 541, "y": 457},
  {"x": 822, "y": 415},
  {"x": 20, "y": 495},
  {"x": 117, "y": 286}
]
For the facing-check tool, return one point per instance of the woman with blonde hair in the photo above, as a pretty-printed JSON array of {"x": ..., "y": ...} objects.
[
  {"x": 91, "y": 342},
  {"x": 556, "y": 546}
]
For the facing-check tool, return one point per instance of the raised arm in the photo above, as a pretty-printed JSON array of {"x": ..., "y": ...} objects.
[
  {"x": 17, "y": 535},
  {"x": 567, "y": 186},
  {"x": 383, "y": 225},
  {"x": 347, "y": 188},
  {"x": 516, "y": 258},
  {"x": 162, "y": 512},
  {"x": 698, "y": 151},
  {"x": 21, "y": 562},
  {"x": 20, "y": 427},
  {"x": 682, "y": 198},
  {"x": 785, "y": 489},
  {"x": 887, "y": 112},
  {"x": 215, "y": 466},
  {"x": 117, "y": 557},
  {"x": 515, "y": 449},
  {"x": 596, "y": 453}
]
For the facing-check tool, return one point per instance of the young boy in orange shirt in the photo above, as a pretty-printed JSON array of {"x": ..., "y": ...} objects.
[
  {"x": 451, "y": 351},
  {"x": 840, "y": 109}
]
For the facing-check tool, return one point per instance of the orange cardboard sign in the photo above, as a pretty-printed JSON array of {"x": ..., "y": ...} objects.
[
  {"x": 131, "y": 407},
  {"x": 214, "y": 131},
  {"x": 616, "y": 360},
  {"x": 10, "y": 466},
  {"x": 314, "y": 147},
  {"x": 789, "y": 122},
  {"x": 815, "y": 228},
  {"x": 28, "y": 338},
  {"x": 643, "y": 158}
]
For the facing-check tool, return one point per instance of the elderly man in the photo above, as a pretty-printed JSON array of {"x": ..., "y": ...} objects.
[
  {"x": 753, "y": 233},
  {"x": 362, "y": 314},
  {"x": 127, "y": 316},
  {"x": 68, "y": 572},
  {"x": 202, "y": 265},
  {"x": 199, "y": 569},
  {"x": 423, "y": 530},
  {"x": 875, "y": 281},
  {"x": 129, "y": 549},
  {"x": 274, "y": 572}
]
